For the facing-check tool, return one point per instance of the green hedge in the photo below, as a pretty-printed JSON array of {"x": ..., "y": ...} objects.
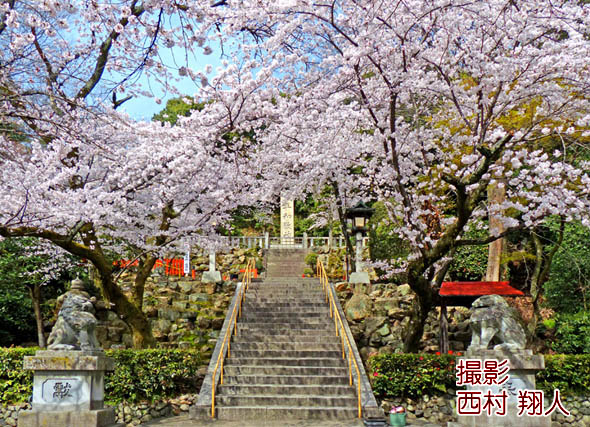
[
  {"x": 16, "y": 384},
  {"x": 139, "y": 375},
  {"x": 572, "y": 333},
  {"x": 569, "y": 373},
  {"x": 413, "y": 375}
]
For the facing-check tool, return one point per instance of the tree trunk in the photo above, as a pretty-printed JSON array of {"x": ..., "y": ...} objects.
[
  {"x": 35, "y": 292},
  {"x": 496, "y": 195},
  {"x": 342, "y": 217},
  {"x": 127, "y": 311},
  {"x": 541, "y": 274},
  {"x": 423, "y": 305}
]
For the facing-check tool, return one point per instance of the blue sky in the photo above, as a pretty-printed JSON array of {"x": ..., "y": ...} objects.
[{"x": 143, "y": 108}]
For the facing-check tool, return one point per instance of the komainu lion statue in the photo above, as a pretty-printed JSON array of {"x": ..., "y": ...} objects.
[
  {"x": 494, "y": 323},
  {"x": 75, "y": 326}
]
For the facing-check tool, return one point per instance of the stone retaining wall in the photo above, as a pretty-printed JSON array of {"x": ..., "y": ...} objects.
[
  {"x": 130, "y": 415},
  {"x": 183, "y": 312},
  {"x": 378, "y": 320}
]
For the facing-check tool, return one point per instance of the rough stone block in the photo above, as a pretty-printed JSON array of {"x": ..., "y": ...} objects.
[
  {"x": 211, "y": 277},
  {"x": 185, "y": 287},
  {"x": 96, "y": 418}
]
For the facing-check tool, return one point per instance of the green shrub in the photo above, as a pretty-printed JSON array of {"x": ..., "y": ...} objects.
[
  {"x": 16, "y": 384},
  {"x": 411, "y": 375},
  {"x": 569, "y": 373},
  {"x": 385, "y": 244},
  {"x": 568, "y": 287},
  {"x": 572, "y": 333},
  {"x": 151, "y": 374},
  {"x": 139, "y": 374},
  {"x": 311, "y": 259},
  {"x": 470, "y": 262},
  {"x": 17, "y": 323}
]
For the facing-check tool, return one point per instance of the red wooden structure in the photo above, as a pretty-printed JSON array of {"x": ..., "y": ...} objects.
[
  {"x": 172, "y": 266},
  {"x": 463, "y": 294}
]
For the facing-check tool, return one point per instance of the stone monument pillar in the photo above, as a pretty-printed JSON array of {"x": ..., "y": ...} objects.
[
  {"x": 68, "y": 383},
  {"x": 287, "y": 222},
  {"x": 211, "y": 276}
]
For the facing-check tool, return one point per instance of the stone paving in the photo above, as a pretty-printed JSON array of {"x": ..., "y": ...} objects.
[{"x": 183, "y": 421}]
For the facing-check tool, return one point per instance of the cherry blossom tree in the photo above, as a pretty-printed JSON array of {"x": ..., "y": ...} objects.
[
  {"x": 87, "y": 179},
  {"x": 434, "y": 102},
  {"x": 421, "y": 104}
]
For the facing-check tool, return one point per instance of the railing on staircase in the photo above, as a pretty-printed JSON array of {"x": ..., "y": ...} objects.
[
  {"x": 340, "y": 332},
  {"x": 233, "y": 325}
]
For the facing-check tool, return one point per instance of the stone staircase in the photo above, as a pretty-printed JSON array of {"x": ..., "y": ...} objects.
[
  {"x": 286, "y": 361},
  {"x": 285, "y": 263}
]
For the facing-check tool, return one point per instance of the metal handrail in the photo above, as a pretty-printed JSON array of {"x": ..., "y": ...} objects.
[
  {"x": 340, "y": 331},
  {"x": 236, "y": 313}
]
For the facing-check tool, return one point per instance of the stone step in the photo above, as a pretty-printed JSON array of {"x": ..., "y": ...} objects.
[
  {"x": 281, "y": 413},
  {"x": 296, "y": 310},
  {"x": 285, "y": 361},
  {"x": 297, "y": 323},
  {"x": 239, "y": 353},
  {"x": 302, "y": 287},
  {"x": 291, "y": 282},
  {"x": 284, "y": 292},
  {"x": 286, "y": 336},
  {"x": 298, "y": 371},
  {"x": 248, "y": 316},
  {"x": 285, "y": 346},
  {"x": 248, "y": 303},
  {"x": 294, "y": 331},
  {"x": 285, "y": 265},
  {"x": 229, "y": 389},
  {"x": 298, "y": 326},
  {"x": 286, "y": 297},
  {"x": 329, "y": 380},
  {"x": 307, "y": 318},
  {"x": 292, "y": 400}
]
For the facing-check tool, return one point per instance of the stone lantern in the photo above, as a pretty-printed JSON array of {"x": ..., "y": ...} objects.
[{"x": 359, "y": 216}]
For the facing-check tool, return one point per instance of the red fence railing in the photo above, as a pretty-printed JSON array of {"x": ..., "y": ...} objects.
[{"x": 172, "y": 266}]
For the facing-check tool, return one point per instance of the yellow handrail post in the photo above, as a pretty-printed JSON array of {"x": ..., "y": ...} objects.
[
  {"x": 331, "y": 300},
  {"x": 349, "y": 371},
  {"x": 233, "y": 324}
]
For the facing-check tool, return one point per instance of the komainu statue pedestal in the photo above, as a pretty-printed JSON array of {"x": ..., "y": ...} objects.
[
  {"x": 523, "y": 365},
  {"x": 68, "y": 389}
]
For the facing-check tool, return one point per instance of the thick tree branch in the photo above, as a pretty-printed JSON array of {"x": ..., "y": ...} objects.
[
  {"x": 104, "y": 51},
  {"x": 477, "y": 242}
]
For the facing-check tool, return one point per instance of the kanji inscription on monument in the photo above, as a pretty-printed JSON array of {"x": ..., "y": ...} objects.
[
  {"x": 62, "y": 390},
  {"x": 287, "y": 222}
]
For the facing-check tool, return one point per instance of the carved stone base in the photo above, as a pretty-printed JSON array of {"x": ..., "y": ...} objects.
[
  {"x": 523, "y": 366},
  {"x": 359, "y": 277},
  {"x": 96, "y": 418},
  {"x": 68, "y": 389},
  {"x": 211, "y": 277}
]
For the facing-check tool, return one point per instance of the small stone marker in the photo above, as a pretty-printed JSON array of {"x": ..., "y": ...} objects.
[
  {"x": 187, "y": 260},
  {"x": 211, "y": 276}
]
